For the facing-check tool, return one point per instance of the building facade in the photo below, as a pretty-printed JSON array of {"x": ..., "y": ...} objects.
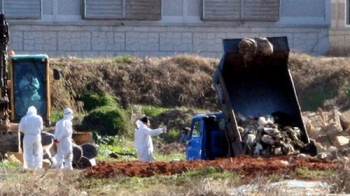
[
  {"x": 339, "y": 33},
  {"x": 90, "y": 28}
]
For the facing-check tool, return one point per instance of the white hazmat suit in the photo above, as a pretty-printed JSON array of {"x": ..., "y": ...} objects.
[
  {"x": 63, "y": 138},
  {"x": 143, "y": 141},
  {"x": 31, "y": 125}
]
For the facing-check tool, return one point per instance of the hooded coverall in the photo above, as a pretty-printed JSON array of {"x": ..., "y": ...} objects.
[
  {"x": 31, "y": 125},
  {"x": 63, "y": 135},
  {"x": 143, "y": 141}
]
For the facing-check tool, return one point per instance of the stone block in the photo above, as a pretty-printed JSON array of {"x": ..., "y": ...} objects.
[{"x": 340, "y": 141}]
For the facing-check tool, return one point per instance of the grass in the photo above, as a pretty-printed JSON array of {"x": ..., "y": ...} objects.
[
  {"x": 170, "y": 157},
  {"x": 305, "y": 173},
  {"x": 123, "y": 59},
  {"x": 180, "y": 184},
  {"x": 152, "y": 111}
]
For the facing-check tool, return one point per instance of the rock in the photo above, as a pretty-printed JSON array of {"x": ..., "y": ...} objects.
[
  {"x": 322, "y": 155},
  {"x": 345, "y": 120},
  {"x": 340, "y": 141},
  {"x": 332, "y": 130}
]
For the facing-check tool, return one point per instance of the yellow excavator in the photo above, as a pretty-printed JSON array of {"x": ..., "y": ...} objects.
[{"x": 24, "y": 82}]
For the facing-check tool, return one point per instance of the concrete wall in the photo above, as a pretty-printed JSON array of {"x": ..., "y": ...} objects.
[
  {"x": 339, "y": 33},
  {"x": 62, "y": 31}
]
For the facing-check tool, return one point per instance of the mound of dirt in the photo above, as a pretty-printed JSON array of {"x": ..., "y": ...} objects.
[{"x": 247, "y": 167}]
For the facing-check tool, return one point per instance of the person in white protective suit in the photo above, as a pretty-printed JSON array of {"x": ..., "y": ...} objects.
[
  {"x": 31, "y": 126},
  {"x": 143, "y": 140},
  {"x": 63, "y": 139}
]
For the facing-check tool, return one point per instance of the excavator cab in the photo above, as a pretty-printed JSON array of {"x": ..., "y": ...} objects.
[{"x": 29, "y": 76}]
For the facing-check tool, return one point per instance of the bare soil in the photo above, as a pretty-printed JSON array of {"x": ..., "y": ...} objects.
[{"x": 247, "y": 167}]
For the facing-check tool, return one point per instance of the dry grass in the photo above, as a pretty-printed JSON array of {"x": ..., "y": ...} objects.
[
  {"x": 186, "y": 80},
  {"x": 165, "y": 82},
  {"x": 40, "y": 182}
]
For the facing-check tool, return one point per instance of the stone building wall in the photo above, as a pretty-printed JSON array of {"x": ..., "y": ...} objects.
[{"x": 75, "y": 28}]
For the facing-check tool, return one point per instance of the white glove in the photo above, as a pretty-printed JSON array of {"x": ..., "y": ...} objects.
[{"x": 164, "y": 129}]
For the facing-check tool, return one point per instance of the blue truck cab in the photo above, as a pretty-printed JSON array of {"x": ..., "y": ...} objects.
[{"x": 206, "y": 139}]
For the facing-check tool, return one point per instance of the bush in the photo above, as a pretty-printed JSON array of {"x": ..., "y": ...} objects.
[
  {"x": 106, "y": 120},
  {"x": 93, "y": 100}
]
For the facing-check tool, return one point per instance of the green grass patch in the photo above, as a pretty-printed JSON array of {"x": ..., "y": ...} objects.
[
  {"x": 152, "y": 111},
  {"x": 123, "y": 59},
  {"x": 56, "y": 115},
  {"x": 313, "y": 174},
  {"x": 169, "y": 157}
]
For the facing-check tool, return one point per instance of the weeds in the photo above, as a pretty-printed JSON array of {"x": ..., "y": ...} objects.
[{"x": 339, "y": 182}]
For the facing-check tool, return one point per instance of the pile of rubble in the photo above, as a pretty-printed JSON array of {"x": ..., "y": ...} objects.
[
  {"x": 268, "y": 135},
  {"x": 330, "y": 132}
]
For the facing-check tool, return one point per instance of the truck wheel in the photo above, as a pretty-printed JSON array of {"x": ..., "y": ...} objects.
[
  {"x": 89, "y": 150},
  {"x": 83, "y": 163},
  {"x": 77, "y": 153}
]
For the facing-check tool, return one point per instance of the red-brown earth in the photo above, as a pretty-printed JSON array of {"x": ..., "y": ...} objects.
[{"x": 245, "y": 166}]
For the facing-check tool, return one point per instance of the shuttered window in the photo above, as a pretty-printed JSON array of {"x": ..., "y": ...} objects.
[
  {"x": 241, "y": 10},
  {"x": 123, "y": 9},
  {"x": 103, "y": 9},
  {"x": 21, "y": 9}
]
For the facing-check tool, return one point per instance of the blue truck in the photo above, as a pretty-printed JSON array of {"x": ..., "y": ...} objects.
[{"x": 250, "y": 84}]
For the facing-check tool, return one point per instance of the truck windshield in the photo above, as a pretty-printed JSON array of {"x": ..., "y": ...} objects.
[{"x": 29, "y": 86}]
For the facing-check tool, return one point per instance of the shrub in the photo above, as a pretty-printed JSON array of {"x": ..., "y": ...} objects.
[
  {"x": 172, "y": 135},
  {"x": 106, "y": 120},
  {"x": 93, "y": 100}
]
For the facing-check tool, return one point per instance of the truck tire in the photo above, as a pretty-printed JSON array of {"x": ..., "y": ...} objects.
[
  {"x": 89, "y": 150},
  {"x": 77, "y": 153},
  {"x": 83, "y": 163}
]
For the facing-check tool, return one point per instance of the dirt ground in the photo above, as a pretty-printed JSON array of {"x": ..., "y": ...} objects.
[{"x": 247, "y": 167}]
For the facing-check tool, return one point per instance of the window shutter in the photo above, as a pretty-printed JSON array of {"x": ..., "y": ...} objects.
[
  {"x": 103, "y": 9},
  {"x": 261, "y": 10},
  {"x": 25, "y": 9},
  {"x": 143, "y": 9},
  {"x": 221, "y": 10}
]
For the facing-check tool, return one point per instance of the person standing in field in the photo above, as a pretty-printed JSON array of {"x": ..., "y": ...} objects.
[
  {"x": 143, "y": 140},
  {"x": 31, "y": 126},
  {"x": 63, "y": 139}
]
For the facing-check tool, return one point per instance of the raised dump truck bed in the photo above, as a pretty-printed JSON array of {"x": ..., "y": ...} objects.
[
  {"x": 260, "y": 109},
  {"x": 260, "y": 86}
]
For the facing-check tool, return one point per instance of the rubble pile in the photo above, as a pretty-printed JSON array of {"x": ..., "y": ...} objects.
[
  {"x": 330, "y": 132},
  {"x": 265, "y": 135}
]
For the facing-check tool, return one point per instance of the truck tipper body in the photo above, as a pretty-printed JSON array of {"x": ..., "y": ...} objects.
[{"x": 260, "y": 109}]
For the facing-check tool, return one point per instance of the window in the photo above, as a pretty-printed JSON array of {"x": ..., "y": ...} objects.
[
  {"x": 241, "y": 10},
  {"x": 123, "y": 9},
  {"x": 347, "y": 7},
  {"x": 24, "y": 9},
  {"x": 197, "y": 129}
]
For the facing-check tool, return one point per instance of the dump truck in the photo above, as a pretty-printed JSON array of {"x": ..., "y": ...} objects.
[{"x": 260, "y": 112}]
